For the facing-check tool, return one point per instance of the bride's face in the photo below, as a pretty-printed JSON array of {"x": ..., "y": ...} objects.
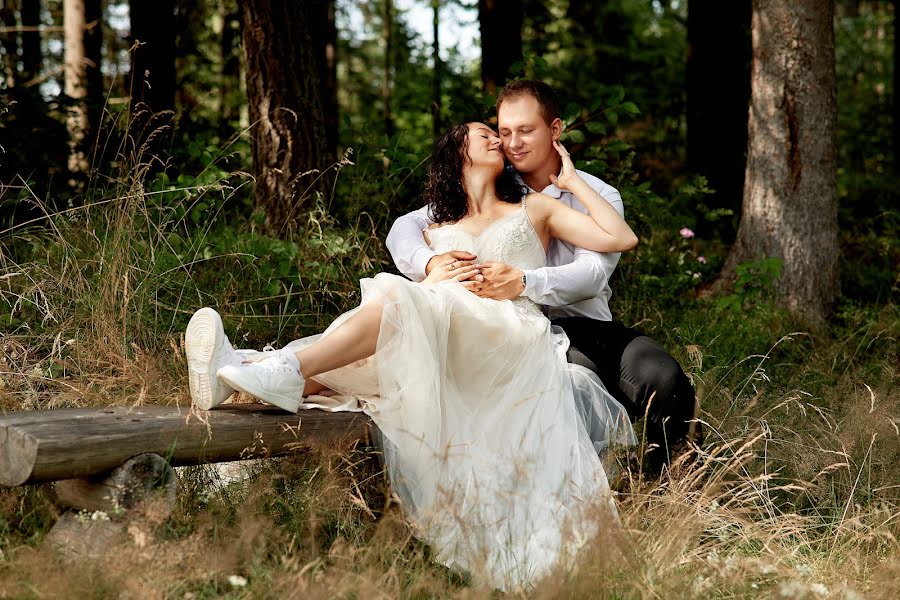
[{"x": 484, "y": 147}]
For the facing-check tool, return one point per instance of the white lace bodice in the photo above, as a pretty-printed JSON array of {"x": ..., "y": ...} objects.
[{"x": 511, "y": 239}]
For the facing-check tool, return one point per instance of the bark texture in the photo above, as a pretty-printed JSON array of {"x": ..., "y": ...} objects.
[
  {"x": 324, "y": 35},
  {"x": 501, "y": 40},
  {"x": 76, "y": 82},
  {"x": 790, "y": 198},
  {"x": 83, "y": 80},
  {"x": 285, "y": 71}
]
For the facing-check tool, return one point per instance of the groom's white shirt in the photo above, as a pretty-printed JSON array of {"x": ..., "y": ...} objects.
[{"x": 575, "y": 282}]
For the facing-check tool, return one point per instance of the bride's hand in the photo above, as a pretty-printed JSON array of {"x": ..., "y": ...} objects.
[
  {"x": 567, "y": 174},
  {"x": 460, "y": 270}
]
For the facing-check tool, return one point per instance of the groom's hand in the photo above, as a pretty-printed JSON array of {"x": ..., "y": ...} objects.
[
  {"x": 501, "y": 281},
  {"x": 461, "y": 258}
]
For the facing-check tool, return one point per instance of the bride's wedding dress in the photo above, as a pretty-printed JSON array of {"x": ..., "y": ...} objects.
[{"x": 483, "y": 420}]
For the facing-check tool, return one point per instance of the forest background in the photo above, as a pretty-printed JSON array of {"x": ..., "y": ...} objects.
[{"x": 159, "y": 157}]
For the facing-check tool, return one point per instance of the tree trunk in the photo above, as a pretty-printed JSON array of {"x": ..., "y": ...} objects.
[
  {"x": 31, "y": 40},
  {"x": 153, "y": 56},
  {"x": 719, "y": 53},
  {"x": 10, "y": 42},
  {"x": 501, "y": 40},
  {"x": 231, "y": 66},
  {"x": 285, "y": 96},
  {"x": 436, "y": 126},
  {"x": 387, "y": 28},
  {"x": 896, "y": 98},
  {"x": 790, "y": 197},
  {"x": 324, "y": 39},
  {"x": 76, "y": 82},
  {"x": 93, "y": 44}
]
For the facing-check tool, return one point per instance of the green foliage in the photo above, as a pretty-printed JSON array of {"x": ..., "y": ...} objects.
[
  {"x": 868, "y": 177},
  {"x": 671, "y": 261},
  {"x": 754, "y": 284}
]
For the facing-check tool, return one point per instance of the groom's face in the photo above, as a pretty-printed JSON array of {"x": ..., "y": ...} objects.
[{"x": 527, "y": 137}]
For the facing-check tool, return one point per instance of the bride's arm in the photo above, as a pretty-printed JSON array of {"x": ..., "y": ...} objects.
[{"x": 603, "y": 231}]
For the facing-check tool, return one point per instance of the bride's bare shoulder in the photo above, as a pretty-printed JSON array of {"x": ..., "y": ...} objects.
[{"x": 539, "y": 205}]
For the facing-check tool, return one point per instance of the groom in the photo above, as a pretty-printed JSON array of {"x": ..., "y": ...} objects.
[{"x": 574, "y": 287}]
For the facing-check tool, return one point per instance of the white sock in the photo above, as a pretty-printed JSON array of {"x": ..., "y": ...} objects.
[{"x": 291, "y": 357}]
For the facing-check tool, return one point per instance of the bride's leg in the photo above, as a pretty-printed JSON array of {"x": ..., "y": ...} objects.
[
  {"x": 281, "y": 379},
  {"x": 311, "y": 386},
  {"x": 354, "y": 340}
]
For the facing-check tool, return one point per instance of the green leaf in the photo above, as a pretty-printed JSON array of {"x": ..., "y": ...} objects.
[
  {"x": 617, "y": 95},
  {"x": 576, "y": 136},
  {"x": 596, "y": 127}
]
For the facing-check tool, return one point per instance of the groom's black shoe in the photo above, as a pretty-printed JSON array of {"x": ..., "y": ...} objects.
[{"x": 683, "y": 452}]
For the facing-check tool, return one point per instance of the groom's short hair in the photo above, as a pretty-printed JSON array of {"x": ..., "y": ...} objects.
[{"x": 540, "y": 91}]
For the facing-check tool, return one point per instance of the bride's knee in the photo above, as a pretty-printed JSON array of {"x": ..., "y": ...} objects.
[{"x": 372, "y": 310}]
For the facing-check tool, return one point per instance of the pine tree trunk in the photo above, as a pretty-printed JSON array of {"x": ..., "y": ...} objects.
[
  {"x": 10, "y": 42},
  {"x": 790, "y": 198},
  {"x": 231, "y": 66},
  {"x": 324, "y": 40},
  {"x": 501, "y": 40},
  {"x": 153, "y": 58},
  {"x": 436, "y": 127},
  {"x": 387, "y": 28},
  {"x": 896, "y": 98},
  {"x": 31, "y": 40},
  {"x": 93, "y": 43},
  {"x": 76, "y": 82},
  {"x": 285, "y": 97},
  {"x": 718, "y": 59}
]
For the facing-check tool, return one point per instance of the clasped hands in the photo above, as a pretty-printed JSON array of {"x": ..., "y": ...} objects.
[{"x": 494, "y": 280}]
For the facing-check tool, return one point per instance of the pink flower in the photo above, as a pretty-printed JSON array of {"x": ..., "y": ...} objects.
[
  {"x": 686, "y": 233},
  {"x": 701, "y": 259}
]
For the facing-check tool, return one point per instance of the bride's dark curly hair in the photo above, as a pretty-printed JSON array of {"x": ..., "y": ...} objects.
[{"x": 445, "y": 191}]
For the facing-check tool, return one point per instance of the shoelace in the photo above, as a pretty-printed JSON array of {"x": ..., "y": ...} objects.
[{"x": 258, "y": 356}]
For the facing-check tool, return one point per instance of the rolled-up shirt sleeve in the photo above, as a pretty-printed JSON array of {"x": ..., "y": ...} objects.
[{"x": 407, "y": 246}]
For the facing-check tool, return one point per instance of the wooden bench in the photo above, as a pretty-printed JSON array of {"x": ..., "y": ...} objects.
[{"x": 111, "y": 459}]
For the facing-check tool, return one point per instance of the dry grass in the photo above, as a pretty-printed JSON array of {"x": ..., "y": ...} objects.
[{"x": 769, "y": 510}]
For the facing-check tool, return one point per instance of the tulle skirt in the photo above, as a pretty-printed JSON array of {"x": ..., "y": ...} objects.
[{"x": 491, "y": 438}]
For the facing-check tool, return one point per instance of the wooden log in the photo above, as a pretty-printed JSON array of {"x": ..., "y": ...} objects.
[
  {"x": 136, "y": 480},
  {"x": 78, "y": 535},
  {"x": 38, "y": 446}
]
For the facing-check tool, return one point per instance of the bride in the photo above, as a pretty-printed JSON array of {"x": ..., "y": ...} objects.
[{"x": 491, "y": 438}]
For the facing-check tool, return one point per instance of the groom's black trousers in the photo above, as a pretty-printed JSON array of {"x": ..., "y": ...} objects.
[{"x": 639, "y": 374}]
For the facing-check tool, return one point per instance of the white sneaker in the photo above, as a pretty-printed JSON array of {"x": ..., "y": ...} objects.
[
  {"x": 207, "y": 349},
  {"x": 272, "y": 379}
]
